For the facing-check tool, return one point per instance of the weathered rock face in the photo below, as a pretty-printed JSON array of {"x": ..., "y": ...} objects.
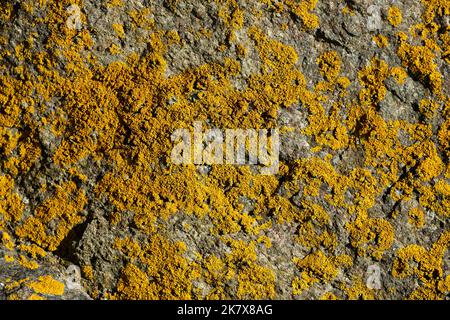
[{"x": 93, "y": 206}]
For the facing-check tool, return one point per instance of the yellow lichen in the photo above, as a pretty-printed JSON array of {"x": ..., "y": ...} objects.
[
  {"x": 64, "y": 208},
  {"x": 88, "y": 272},
  {"x": 359, "y": 291},
  {"x": 399, "y": 74},
  {"x": 315, "y": 267},
  {"x": 428, "y": 108},
  {"x": 304, "y": 10},
  {"x": 11, "y": 205},
  {"x": 118, "y": 29},
  {"x": 420, "y": 61},
  {"x": 426, "y": 265},
  {"x": 27, "y": 263},
  {"x": 122, "y": 114},
  {"x": 416, "y": 217},
  {"x": 330, "y": 65},
  {"x": 47, "y": 285},
  {"x": 381, "y": 41},
  {"x": 394, "y": 16},
  {"x": 115, "y": 3},
  {"x": 372, "y": 79},
  {"x": 256, "y": 282},
  {"x": 168, "y": 274}
]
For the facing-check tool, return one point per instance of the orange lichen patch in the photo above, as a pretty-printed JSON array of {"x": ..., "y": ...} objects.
[
  {"x": 241, "y": 51},
  {"x": 114, "y": 218},
  {"x": 28, "y": 154},
  {"x": 372, "y": 79},
  {"x": 11, "y": 206},
  {"x": 140, "y": 18},
  {"x": 445, "y": 47},
  {"x": 244, "y": 183},
  {"x": 173, "y": 37},
  {"x": 216, "y": 274},
  {"x": 183, "y": 186},
  {"x": 33, "y": 250},
  {"x": 420, "y": 62},
  {"x": 370, "y": 236},
  {"x": 280, "y": 84},
  {"x": 13, "y": 92},
  {"x": 88, "y": 272},
  {"x": 118, "y": 29},
  {"x": 86, "y": 116},
  {"x": 274, "y": 5},
  {"x": 426, "y": 265},
  {"x": 128, "y": 186},
  {"x": 265, "y": 241},
  {"x": 167, "y": 275},
  {"x": 134, "y": 284},
  {"x": 115, "y": 3},
  {"x": 8, "y": 140},
  {"x": 394, "y": 16},
  {"x": 165, "y": 267},
  {"x": 304, "y": 10},
  {"x": 121, "y": 115},
  {"x": 230, "y": 14},
  {"x": 428, "y": 108},
  {"x": 416, "y": 217},
  {"x": 399, "y": 74},
  {"x": 6, "y": 240},
  {"x": 318, "y": 172},
  {"x": 379, "y": 140},
  {"x": 343, "y": 83},
  {"x": 330, "y": 65},
  {"x": 433, "y": 7},
  {"x": 426, "y": 32},
  {"x": 256, "y": 282},
  {"x": 329, "y": 296},
  {"x": 366, "y": 187},
  {"x": 114, "y": 49},
  {"x": 47, "y": 285},
  {"x": 314, "y": 222},
  {"x": 17, "y": 106},
  {"x": 431, "y": 166},
  {"x": 381, "y": 41},
  {"x": 64, "y": 208},
  {"x": 15, "y": 284},
  {"x": 347, "y": 10},
  {"x": 328, "y": 129},
  {"x": 442, "y": 193},
  {"x": 27, "y": 263},
  {"x": 6, "y": 11},
  {"x": 128, "y": 247},
  {"x": 358, "y": 291},
  {"x": 444, "y": 136},
  {"x": 316, "y": 268}
]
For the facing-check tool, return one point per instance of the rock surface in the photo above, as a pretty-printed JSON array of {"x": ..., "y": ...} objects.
[{"x": 93, "y": 207}]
